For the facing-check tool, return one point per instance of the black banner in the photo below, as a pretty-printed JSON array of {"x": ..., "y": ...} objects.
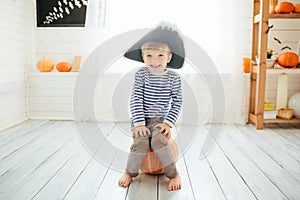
[{"x": 61, "y": 13}]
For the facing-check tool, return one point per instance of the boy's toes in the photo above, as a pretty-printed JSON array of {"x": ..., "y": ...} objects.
[
  {"x": 174, "y": 184},
  {"x": 125, "y": 180}
]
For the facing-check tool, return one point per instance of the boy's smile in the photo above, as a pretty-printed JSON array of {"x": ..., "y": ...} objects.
[{"x": 156, "y": 59}]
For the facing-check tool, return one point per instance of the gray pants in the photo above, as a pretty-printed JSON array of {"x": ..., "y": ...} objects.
[{"x": 158, "y": 143}]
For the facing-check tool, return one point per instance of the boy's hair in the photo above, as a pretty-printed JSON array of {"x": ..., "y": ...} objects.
[{"x": 155, "y": 45}]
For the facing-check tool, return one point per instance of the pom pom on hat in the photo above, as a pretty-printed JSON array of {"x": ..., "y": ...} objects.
[{"x": 168, "y": 26}]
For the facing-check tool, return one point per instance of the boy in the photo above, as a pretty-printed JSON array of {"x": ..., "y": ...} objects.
[{"x": 156, "y": 101}]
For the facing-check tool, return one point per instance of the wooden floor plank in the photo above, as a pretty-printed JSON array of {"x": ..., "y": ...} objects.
[
  {"x": 13, "y": 133},
  {"x": 65, "y": 177},
  {"x": 143, "y": 187},
  {"x": 29, "y": 164},
  {"x": 49, "y": 169},
  {"x": 69, "y": 174},
  {"x": 56, "y": 164},
  {"x": 32, "y": 184},
  {"x": 88, "y": 183},
  {"x": 286, "y": 133},
  {"x": 284, "y": 140},
  {"x": 291, "y": 128},
  {"x": 28, "y": 149},
  {"x": 286, "y": 183},
  {"x": 253, "y": 177},
  {"x": 271, "y": 148},
  {"x": 203, "y": 181},
  {"x": 22, "y": 140},
  {"x": 233, "y": 187},
  {"x": 108, "y": 188}
]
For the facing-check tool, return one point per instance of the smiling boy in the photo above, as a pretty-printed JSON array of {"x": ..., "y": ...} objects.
[{"x": 155, "y": 104}]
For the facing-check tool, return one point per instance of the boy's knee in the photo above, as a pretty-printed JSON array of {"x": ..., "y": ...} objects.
[
  {"x": 158, "y": 141},
  {"x": 140, "y": 145}
]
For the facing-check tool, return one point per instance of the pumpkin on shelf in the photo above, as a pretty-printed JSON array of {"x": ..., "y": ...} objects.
[
  {"x": 288, "y": 59},
  {"x": 297, "y": 8},
  {"x": 63, "y": 67},
  {"x": 45, "y": 65},
  {"x": 152, "y": 165},
  {"x": 284, "y": 7}
]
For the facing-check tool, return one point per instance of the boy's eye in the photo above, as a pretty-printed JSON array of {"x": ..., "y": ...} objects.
[{"x": 148, "y": 55}]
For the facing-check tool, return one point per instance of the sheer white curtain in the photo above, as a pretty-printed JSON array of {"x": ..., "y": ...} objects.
[{"x": 216, "y": 26}]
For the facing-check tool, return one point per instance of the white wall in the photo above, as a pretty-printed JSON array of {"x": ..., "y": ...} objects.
[
  {"x": 62, "y": 43},
  {"x": 51, "y": 94},
  {"x": 51, "y": 97},
  {"x": 16, "y": 44}
]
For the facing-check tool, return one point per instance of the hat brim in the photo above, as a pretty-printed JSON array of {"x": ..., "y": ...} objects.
[{"x": 163, "y": 35}]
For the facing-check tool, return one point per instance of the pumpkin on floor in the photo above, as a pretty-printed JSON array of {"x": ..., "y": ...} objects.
[
  {"x": 284, "y": 7},
  {"x": 63, "y": 67},
  {"x": 288, "y": 59},
  {"x": 45, "y": 65},
  {"x": 151, "y": 164}
]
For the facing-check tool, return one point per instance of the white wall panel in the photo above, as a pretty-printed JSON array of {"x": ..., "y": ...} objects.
[
  {"x": 16, "y": 44},
  {"x": 64, "y": 43},
  {"x": 51, "y": 96}
]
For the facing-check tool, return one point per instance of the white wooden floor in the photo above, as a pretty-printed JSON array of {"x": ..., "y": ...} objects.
[{"x": 47, "y": 160}]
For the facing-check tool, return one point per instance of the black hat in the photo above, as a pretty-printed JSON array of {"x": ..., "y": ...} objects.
[{"x": 164, "y": 34}]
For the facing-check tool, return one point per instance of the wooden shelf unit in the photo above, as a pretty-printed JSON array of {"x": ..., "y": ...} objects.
[{"x": 260, "y": 23}]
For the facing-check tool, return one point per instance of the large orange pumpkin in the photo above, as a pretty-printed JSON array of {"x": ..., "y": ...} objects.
[
  {"x": 45, "y": 65},
  {"x": 63, "y": 67},
  {"x": 297, "y": 8},
  {"x": 284, "y": 7},
  {"x": 288, "y": 59},
  {"x": 151, "y": 164}
]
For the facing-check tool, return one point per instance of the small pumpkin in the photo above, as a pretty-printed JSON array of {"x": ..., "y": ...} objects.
[
  {"x": 288, "y": 59},
  {"x": 284, "y": 7},
  {"x": 246, "y": 65},
  {"x": 152, "y": 165},
  {"x": 45, "y": 65},
  {"x": 63, "y": 67},
  {"x": 297, "y": 8}
]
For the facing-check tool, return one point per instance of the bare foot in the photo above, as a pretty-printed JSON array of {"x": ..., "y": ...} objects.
[
  {"x": 125, "y": 180},
  {"x": 174, "y": 183}
]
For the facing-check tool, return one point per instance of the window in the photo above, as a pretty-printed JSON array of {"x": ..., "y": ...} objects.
[{"x": 214, "y": 25}]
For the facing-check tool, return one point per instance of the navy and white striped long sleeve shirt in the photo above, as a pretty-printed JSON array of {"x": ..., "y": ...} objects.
[{"x": 156, "y": 95}]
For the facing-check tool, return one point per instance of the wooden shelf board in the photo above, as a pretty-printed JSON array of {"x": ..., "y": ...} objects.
[
  {"x": 278, "y": 70},
  {"x": 283, "y": 70},
  {"x": 277, "y": 120},
  {"x": 285, "y": 16},
  {"x": 257, "y": 18},
  {"x": 253, "y": 119}
]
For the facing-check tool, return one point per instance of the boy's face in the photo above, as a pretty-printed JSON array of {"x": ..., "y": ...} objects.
[{"x": 156, "y": 59}]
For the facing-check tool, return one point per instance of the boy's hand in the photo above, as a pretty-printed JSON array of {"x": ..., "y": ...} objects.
[
  {"x": 164, "y": 129},
  {"x": 142, "y": 131}
]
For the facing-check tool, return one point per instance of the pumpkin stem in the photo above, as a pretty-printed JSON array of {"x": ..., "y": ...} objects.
[
  {"x": 269, "y": 28},
  {"x": 277, "y": 40},
  {"x": 286, "y": 47}
]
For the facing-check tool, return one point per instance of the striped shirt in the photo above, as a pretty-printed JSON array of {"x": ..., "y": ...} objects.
[{"x": 155, "y": 95}]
